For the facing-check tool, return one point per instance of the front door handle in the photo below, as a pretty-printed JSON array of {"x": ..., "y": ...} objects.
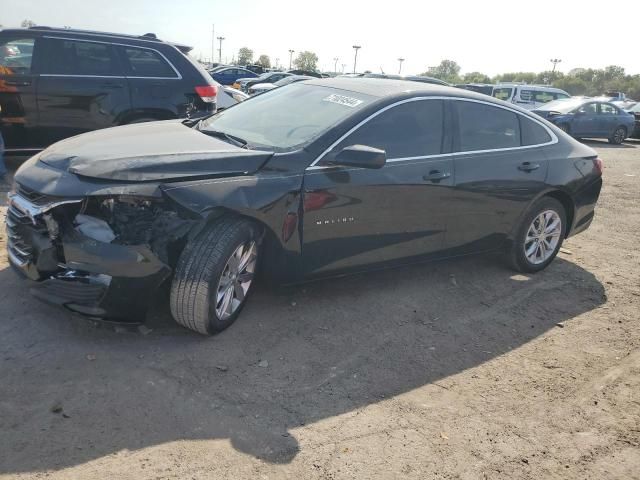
[
  {"x": 528, "y": 166},
  {"x": 436, "y": 176}
]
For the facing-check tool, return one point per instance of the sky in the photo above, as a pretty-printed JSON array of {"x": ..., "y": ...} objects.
[{"x": 490, "y": 37}]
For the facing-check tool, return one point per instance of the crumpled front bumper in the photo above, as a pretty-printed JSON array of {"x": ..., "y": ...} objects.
[{"x": 86, "y": 276}]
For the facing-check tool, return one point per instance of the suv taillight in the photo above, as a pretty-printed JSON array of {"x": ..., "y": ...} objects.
[
  {"x": 597, "y": 163},
  {"x": 207, "y": 93}
]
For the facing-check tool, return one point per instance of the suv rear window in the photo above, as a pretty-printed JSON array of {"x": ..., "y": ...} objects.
[
  {"x": 142, "y": 62},
  {"x": 75, "y": 57},
  {"x": 15, "y": 56}
]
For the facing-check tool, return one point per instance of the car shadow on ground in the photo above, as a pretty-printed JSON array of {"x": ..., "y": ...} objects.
[{"x": 73, "y": 391}]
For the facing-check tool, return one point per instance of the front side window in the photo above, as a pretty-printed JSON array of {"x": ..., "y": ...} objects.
[
  {"x": 141, "y": 62},
  {"x": 485, "y": 127},
  {"x": 412, "y": 129},
  {"x": 503, "y": 93},
  {"x": 72, "y": 57},
  {"x": 16, "y": 56},
  {"x": 588, "y": 109}
]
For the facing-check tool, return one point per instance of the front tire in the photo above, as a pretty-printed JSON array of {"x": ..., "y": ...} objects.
[
  {"x": 214, "y": 276},
  {"x": 539, "y": 236},
  {"x": 619, "y": 134}
]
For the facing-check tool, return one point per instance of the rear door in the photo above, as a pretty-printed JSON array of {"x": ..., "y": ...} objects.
[
  {"x": 357, "y": 216},
  {"x": 499, "y": 169},
  {"x": 82, "y": 88},
  {"x": 607, "y": 119},
  {"x": 18, "y": 83},
  {"x": 156, "y": 86}
]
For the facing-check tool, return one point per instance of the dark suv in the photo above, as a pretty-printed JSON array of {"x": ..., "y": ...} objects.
[{"x": 58, "y": 83}]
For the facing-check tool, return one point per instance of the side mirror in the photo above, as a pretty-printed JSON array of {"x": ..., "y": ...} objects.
[{"x": 361, "y": 156}]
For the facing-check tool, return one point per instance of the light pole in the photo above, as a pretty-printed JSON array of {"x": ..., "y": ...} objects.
[
  {"x": 290, "y": 57},
  {"x": 335, "y": 64},
  {"x": 213, "y": 41},
  {"x": 400, "y": 60},
  {"x": 355, "y": 57},
  {"x": 343, "y": 67},
  {"x": 220, "y": 39},
  {"x": 277, "y": 60},
  {"x": 555, "y": 62}
]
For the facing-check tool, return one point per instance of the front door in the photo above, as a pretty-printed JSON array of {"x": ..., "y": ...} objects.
[
  {"x": 585, "y": 120},
  {"x": 82, "y": 88},
  {"x": 18, "y": 83},
  {"x": 499, "y": 170},
  {"x": 356, "y": 216}
]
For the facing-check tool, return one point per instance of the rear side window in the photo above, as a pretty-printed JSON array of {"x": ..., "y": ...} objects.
[
  {"x": 412, "y": 129},
  {"x": 532, "y": 133},
  {"x": 15, "y": 56},
  {"x": 503, "y": 93},
  {"x": 484, "y": 127},
  {"x": 141, "y": 62},
  {"x": 606, "y": 109},
  {"x": 71, "y": 57}
]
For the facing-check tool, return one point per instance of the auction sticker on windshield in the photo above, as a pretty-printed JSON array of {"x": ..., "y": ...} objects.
[{"x": 343, "y": 100}]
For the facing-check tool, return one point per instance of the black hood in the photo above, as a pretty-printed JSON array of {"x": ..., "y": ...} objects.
[{"x": 155, "y": 151}]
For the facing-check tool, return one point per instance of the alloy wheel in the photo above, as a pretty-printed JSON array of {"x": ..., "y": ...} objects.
[
  {"x": 542, "y": 237},
  {"x": 618, "y": 135},
  {"x": 236, "y": 279}
]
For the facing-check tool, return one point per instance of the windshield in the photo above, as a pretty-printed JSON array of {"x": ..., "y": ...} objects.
[
  {"x": 562, "y": 106},
  {"x": 288, "y": 117},
  {"x": 635, "y": 108},
  {"x": 502, "y": 93}
]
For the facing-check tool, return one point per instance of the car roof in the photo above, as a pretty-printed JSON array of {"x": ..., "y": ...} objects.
[
  {"x": 529, "y": 86},
  {"x": 147, "y": 37},
  {"x": 382, "y": 87}
]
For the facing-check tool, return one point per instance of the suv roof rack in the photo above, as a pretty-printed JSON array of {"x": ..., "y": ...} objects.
[{"x": 146, "y": 36}]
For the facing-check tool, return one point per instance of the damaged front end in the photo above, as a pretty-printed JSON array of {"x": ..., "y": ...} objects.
[{"x": 101, "y": 256}]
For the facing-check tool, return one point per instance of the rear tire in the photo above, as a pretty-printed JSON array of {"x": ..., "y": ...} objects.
[
  {"x": 538, "y": 237},
  {"x": 211, "y": 284},
  {"x": 619, "y": 134}
]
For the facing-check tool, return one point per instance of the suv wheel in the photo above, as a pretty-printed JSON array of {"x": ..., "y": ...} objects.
[{"x": 214, "y": 276}]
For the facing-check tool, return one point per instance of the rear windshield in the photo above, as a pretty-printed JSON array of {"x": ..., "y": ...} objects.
[
  {"x": 503, "y": 93},
  {"x": 288, "y": 117}
]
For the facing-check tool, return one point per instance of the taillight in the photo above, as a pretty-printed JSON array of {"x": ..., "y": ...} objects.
[
  {"x": 208, "y": 93},
  {"x": 597, "y": 163}
]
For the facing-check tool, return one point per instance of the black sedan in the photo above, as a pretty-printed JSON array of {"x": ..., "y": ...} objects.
[{"x": 314, "y": 179}]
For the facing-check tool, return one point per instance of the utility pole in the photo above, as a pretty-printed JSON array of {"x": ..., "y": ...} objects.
[
  {"x": 355, "y": 57},
  {"x": 290, "y": 57},
  {"x": 335, "y": 64},
  {"x": 555, "y": 62},
  {"x": 213, "y": 41},
  {"x": 400, "y": 60},
  {"x": 220, "y": 39}
]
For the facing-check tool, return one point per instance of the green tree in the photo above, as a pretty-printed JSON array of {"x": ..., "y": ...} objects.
[
  {"x": 525, "y": 77},
  {"x": 306, "y": 61},
  {"x": 265, "y": 61},
  {"x": 245, "y": 56},
  {"x": 448, "y": 70},
  {"x": 475, "y": 77},
  {"x": 27, "y": 24}
]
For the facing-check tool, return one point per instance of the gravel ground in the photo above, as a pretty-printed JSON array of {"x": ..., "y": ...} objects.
[{"x": 456, "y": 369}]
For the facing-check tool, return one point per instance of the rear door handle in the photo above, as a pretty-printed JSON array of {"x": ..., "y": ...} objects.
[
  {"x": 112, "y": 85},
  {"x": 528, "y": 166},
  {"x": 436, "y": 176},
  {"x": 18, "y": 83}
]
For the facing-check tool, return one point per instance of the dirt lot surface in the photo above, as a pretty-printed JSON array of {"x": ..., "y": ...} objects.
[{"x": 457, "y": 369}]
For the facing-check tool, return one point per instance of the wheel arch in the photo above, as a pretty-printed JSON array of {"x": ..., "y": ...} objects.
[{"x": 569, "y": 207}]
